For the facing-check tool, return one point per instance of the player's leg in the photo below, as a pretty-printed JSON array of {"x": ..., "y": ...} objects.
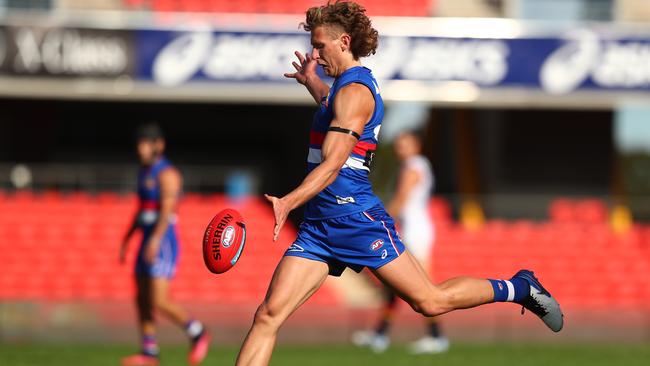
[
  {"x": 294, "y": 281},
  {"x": 404, "y": 276},
  {"x": 197, "y": 334},
  {"x": 162, "y": 302},
  {"x": 399, "y": 270},
  {"x": 144, "y": 305},
  {"x": 409, "y": 280},
  {"x": 378, "y": 339},
  {"x": 162, "y": 272},
  {"x": 387, "y": 312},
  {"x": 434, "y": 341}
]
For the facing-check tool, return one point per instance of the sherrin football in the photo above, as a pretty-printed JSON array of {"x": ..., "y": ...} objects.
[{"x": 223, "y": 241}]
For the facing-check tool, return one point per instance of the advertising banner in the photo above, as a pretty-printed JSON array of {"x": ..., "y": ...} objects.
[
  {"x": 65, "y": 52},
  {"x": 580, "y": 60},
  {"x": 173, "y": 58}
]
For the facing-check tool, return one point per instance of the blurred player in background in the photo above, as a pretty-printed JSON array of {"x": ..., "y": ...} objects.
[
  {"x": 411, "y": 205},
  {"x": 346, "y": 225},
  {"x": 159, "y": 189}
]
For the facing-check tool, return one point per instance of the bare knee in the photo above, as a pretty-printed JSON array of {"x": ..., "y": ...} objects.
[
  {"x": 428, "y": 308},
  {"x": 434, "y": 303},
  {"x": 268, "y": 317}
]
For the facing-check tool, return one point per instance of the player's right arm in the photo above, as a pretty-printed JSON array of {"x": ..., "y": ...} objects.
[
  {"x": 353, "y": 109},
  {"x": 306, "y": 75}
]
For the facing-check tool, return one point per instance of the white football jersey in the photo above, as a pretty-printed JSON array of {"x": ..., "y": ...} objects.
[{"x": 416, "y": 222}]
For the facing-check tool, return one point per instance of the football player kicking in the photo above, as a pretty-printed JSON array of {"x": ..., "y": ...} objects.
[
  {"x": 159, "y": 188},
  {"x": 345, "y": 224}
]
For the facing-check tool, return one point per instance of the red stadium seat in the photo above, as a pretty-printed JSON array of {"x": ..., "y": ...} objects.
[
  {"x": 591, "y": 211},
  {"x": 374, "y": 7},
  {"x": 75, "y": 256},
  {"x": 562, "y": 210},
  {"x": 440, "y": 210},
  {"x": 580, "y": 263}
]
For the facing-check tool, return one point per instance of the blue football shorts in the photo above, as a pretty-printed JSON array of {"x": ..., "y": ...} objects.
[
  {"x": 165, "y": 264},
  {"x": 363, "y": 239}
]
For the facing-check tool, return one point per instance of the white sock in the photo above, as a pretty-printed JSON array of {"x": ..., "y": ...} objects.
[{"x": 194, "y": 328}]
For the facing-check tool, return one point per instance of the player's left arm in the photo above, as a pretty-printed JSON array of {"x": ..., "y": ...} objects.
[
  {"x": 353, "y": 107},
  {"x": 170, "y": 182},
  {"x": 407, "y": 181}
]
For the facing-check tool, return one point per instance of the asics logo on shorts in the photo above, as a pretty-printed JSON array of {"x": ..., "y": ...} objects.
[
  {"x": 295, "y": 248},
  {"x": 343, "y": 200}
]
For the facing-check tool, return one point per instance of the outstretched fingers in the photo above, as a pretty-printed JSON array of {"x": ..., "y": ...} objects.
[
  {"x": 304, "y": 67},
  {"x": 298, "y": 67},
  {"x": 301, "y": 58}
]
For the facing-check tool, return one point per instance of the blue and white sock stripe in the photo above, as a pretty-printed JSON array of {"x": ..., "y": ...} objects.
[{"x": 513, "y": 290}]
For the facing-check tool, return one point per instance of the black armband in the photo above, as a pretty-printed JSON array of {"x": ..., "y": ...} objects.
[{"x": 345, "y": 130}]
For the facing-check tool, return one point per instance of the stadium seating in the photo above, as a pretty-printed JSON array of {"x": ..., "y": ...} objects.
[
  {"x": 375, "y": 7},
  {"x": 580, "y": 211},
  {"x": 63, "y": 247},
  {"x": 586, "y": 266}
]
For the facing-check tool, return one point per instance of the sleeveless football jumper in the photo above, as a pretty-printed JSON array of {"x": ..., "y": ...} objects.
[
  {"x": 149, "y": 201},
  {"x": 346, "y": 224}
]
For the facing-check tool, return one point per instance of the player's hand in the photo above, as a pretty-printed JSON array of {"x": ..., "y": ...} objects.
[
  {"x": 305, "y": 70},
  {"x": 151, "y": 252},
  {"x": 281, "y": 211},
  {"x": 123, "y": 253}
]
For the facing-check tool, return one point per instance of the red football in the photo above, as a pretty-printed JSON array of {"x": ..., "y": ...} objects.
[{"x": 224, "y": 240}]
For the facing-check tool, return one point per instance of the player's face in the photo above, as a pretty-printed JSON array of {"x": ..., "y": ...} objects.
[
  {"x": 327, "y": 50},
  {"x": 149, "y": 150},
  {"x": 406, "y": 146}
]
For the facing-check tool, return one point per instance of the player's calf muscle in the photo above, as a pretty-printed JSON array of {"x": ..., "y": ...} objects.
[
  {"x": 466, "y": 292},
  {"x": 456, "y": 293}
]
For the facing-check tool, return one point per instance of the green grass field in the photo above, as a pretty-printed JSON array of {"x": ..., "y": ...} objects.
[{"x": 465, "y": 354}]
